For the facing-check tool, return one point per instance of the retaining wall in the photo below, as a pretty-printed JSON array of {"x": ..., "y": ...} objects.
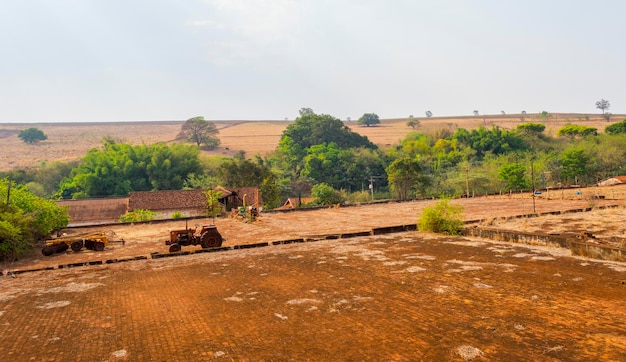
[{"x": 577, "y": 247}]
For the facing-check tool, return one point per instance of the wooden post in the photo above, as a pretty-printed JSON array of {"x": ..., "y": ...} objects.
[{"x": 467, "y": 182}]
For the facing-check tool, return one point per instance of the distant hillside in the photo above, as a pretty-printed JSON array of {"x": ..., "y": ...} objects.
[{"x": 70, "y": 141}]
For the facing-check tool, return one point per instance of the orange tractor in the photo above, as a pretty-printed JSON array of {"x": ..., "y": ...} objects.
[{"x": 208, "y": 237}]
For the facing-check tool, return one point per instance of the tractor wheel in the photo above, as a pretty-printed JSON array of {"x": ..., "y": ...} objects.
[
  {"x": 211, "y": 239},
  {"x": 48, "y": 250},
  {"x": 98, "y": 246},
  {"x": 77, "y": 245},
  {"x": 89, "y": 244},
  {"x": 174, "y": 248},
  {"x": 61, "y": 247}
]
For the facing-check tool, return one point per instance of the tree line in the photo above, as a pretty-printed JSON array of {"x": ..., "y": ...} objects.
[
  {"x": 319, "y": 156},
  {"x": 319, "y": 149}
]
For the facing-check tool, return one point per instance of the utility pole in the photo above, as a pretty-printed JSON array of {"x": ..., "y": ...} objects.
[
  {"x": 532, "y": 176},
  {"x": 467, "y": 182},
  {"x": 371, "y": 186}
]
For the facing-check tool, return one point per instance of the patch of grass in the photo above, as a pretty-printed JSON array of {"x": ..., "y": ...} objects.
[
  {"x": 138, "y": 215},
  {"x": 442, "y": 217}
]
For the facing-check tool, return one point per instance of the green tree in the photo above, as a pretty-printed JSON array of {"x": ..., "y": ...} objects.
[
  {"x": 572, "y": 131},
  {"x": 404, "y": 175},
  {"x": 305, "y": 111},
  {"x": 368, "y": 119},
  {"x": 43, "y": 180},
  {"x": 26, "y": 219},
  {"x": 607, "y": 156},
  {"x": 616, "y": 128},
  {"x": 325, "y": 194},
  {"x": 514, "y": 176},
  {"x": 531, "y": 129},
  {"x": 32, "y": 135},
  {"x": 345, "y": 169},
  {"x": 574, "y": 164},
  {"x": 413, "y": 123},
  {"x": 200, "y": 131},
  {"x": 603, "y": 105},
  {"x": 495, "y": 140},
  {"x": 323, "y": 164},
  {"x": 118, "y": 168},
  {"x": 312, "y": 129},
  {"x": 246, "y": 173},
  {"x": 169, "y": 165}
]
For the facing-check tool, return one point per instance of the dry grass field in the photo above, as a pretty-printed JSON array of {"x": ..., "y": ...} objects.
[{"x": 70, "y": 141}]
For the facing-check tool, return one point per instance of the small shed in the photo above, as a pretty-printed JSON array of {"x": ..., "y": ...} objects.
[{"x": 240, "y": 196}]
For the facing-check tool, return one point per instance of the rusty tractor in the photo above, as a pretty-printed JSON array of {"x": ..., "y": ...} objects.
[
  {"x": 92, "y": 240},
  {"x": 208, "y": 237}
]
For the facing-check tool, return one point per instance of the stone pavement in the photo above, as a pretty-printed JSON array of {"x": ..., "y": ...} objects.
[{"x": 396, "y": 297}]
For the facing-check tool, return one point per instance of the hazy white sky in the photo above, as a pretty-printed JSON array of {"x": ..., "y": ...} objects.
[{"x": 116, "y": 60}]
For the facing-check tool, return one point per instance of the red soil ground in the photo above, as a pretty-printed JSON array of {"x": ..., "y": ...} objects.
[{"x": 403, "y": 297}]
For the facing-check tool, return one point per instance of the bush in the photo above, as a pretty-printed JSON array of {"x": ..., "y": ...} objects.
[
  {"x": 325, "y": 194},
  {"x": 138, "y": 215},
  {"x": 13, "y": 243},
  {"x": 27, "y": 219},
  {"x": 177, "y": 215},
  {"x": 359, "y": 197},
  {"x": 442, "y": 217}
]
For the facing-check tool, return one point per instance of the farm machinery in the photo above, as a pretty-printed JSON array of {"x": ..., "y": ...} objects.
[
  {"x": 208, "y": 237},
  {"x": 92, "y": 240}
]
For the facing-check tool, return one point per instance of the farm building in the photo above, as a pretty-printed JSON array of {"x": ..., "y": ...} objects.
[{"x": 164, "y": 203}]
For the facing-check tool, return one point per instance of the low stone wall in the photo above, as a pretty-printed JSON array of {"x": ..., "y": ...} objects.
[
  {"x": 597, "y": 251},
  {"x": 516, "y": 236},
  {"x": 577, "y": 247}
]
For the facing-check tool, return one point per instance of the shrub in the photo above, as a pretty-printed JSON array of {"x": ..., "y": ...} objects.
[
  {"x": 26, "y": 219},
  {"x": 177, "y": 215},
  {"x": 359, "y": 197},
  {"x": 325, "y": 194},
  {"x": 13, "y": 243},
  {"x": 442, "y": 217},
  {"x": 617, "y": 128},
  {"x": 138, "y": 215}
]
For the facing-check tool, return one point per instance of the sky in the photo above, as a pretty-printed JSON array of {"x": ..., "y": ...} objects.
[{"x": 153, "y": 60}]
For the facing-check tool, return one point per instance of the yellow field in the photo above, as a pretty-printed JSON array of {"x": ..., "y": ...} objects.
[{"x": 70, "y": 141}]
